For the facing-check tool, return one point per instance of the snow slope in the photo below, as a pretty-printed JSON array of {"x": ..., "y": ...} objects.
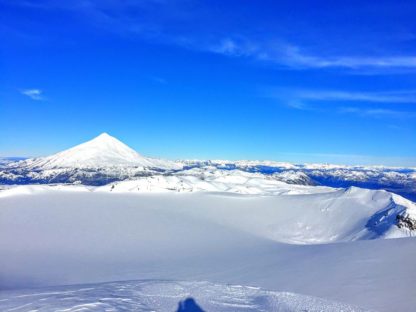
[
  {"x": 398, "y": 180},
  {"x": 193, "y": 180},
  {"x": 163, "y": 296},
  {"x": 58, "y": 236},
  {"x": 102, "y": 151},
  {"x": 317, "y": 214},
  {"x": 267, "y": 208}
]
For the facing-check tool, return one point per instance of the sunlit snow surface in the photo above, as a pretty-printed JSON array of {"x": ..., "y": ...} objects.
[
  {"x": 225, "y": 224},
  {"x": 162, "y": 296},
  {"x": 105, "y": 159},
  {"x": 63, "y": 235},
  {"x": 102, "y": 151}
]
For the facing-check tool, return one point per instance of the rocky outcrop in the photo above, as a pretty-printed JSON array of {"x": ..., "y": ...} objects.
[{"x": 406, "y": 222}]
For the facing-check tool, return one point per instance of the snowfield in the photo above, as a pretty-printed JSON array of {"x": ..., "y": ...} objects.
[
  {"x": 59, "y": 235},
  {"x": 164, "y": 296},
  {"x": 228, "y": 235},
  {"x": 212, "y": 180},
  {"x": 281, "y": 212}
]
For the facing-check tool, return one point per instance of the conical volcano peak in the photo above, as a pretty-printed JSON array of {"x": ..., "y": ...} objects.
[
  {"x": 102, "y": 151},
  {"x": 105, "y": 137},
  {"x": 108, "y": 143}
]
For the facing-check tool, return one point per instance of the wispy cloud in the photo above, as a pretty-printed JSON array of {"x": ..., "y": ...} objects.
[
  {"x": 153, "y": 20},
  {"x": 377, "y": 112},
  {"x": 299, "y": 96},
  {"x": 408, "y": 96},
  {"x": 294, "y": 56},
  {"x": 34, "y": 94},
  {"x": 364, "y": 104},
  {"x": 237, "y": 47},
  {"x": 279, "y": 52}
]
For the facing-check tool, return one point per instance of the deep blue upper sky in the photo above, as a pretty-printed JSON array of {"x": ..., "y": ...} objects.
[{"x": 300, "y": 81}]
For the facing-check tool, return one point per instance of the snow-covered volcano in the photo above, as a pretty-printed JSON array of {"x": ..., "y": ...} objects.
[{"x": 101, "y": 152}]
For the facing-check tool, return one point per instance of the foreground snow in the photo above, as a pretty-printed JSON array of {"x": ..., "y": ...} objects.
[
  {"x": 163, "y": 296},
  {"x": 74, "y": 235},
  {"x": 265, "y": 207}
]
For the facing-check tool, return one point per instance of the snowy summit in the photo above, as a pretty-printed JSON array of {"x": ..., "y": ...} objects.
[{"x": 102, "y": 151}]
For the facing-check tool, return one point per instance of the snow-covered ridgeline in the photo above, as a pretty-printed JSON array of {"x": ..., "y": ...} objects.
[
  {"x": 105, "y": 160},
  {"x": 215, "y": 180},
  {"x": 400, "y": 180},
  {"x": 288, "y": 165}
]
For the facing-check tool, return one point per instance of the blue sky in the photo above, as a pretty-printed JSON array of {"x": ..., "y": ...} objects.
[{"x": 300, "y": 81}]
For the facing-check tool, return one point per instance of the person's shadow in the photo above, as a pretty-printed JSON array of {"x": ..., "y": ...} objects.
[{"x": 189, "y": 305}]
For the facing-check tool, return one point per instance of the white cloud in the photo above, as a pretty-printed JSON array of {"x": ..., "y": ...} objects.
[
  {"x": 377, "y": 112},
  {"x": 34, "y": 94},
  {"x": 156, "y": 16},
  {"x": 278, "y": 52},
  {"x": 293, "y": 56},
  {"x": 364, "y": 104},
  {"x": 377, "y": 97}
]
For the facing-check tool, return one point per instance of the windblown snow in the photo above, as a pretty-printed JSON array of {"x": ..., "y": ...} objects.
[
  {"x": 165, "y": 296},
  {"x": 196, "y": 232}
]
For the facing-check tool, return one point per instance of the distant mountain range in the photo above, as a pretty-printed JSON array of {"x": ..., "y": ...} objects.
[
  {"x": 399, "y": 180},
  {"x": 105, "y": 159}
]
